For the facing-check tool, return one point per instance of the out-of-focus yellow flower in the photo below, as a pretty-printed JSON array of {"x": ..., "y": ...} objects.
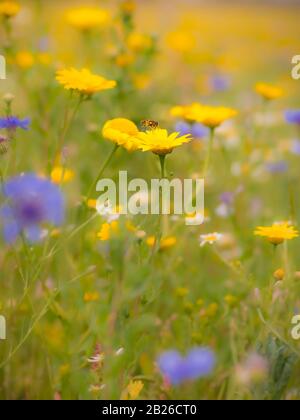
[
  {"x": 60, "y": 175},
  {"x": 268, "y": 91},
  {"x": 83, "y": 81},
  {"x": 91, "y": 203},
  {"x": 210, "y": 116},
  {"x": 160, "y": 142},
  {"x": 279, "y": 274},
  {"x": 165, "y": 243},
  {"x": 9, "y": 9},
  {"x": 133, "y": 390},
  {"x": 24, "y": 59},
  {"x": 141, "y": 81},
  {"x": 86, "y": 18},
  {"x": 277, "y": 233},
  {"x": 124, "y": 60},
  {"x": 211, "y": 310},
  {"x": 44, "y": 58},
  {"x": 91, "y": 297},
  {"x": 181, "y": 291},
  {"x": 231, "y": 300},
  {"x": 181, "y": 41},
  {"x": 139, "y": 42},
  {"x": 128, "y": 6},
  {"x": 123, "y": 132},
  {"x": 107, "y": 230}
]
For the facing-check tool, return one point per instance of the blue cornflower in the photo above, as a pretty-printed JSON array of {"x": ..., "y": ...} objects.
[
  {"x": 277, "y": 167},
  {"x": 198, "y": 363},
  {"x": 220, "y": 83},
  {"x": 12, "y": 123},
  {"x": 293, "y": 116},
  {"x": 31, "y": 201},
  {"x": 295, "y": 148},
  {"x": 197, "y": 130}
]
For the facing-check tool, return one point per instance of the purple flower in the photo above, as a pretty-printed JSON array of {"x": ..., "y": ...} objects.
[
  {"x": 227, "y": 197},
  {"x": 219, "y": 83},
  {"x": 12, "y": 123},
  {"x": 296, "y": 147},
  {"x": 31, "y": 201},
  {"x": 198, "y": 131},
  {"x": 198, "y": 363},
  {"x": 293, "y": 116},
  {"x": 277, "y": 167}
]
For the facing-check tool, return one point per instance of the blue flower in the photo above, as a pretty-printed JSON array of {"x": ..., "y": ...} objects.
[
  {"x": 12, "y": 123},
  {"x": 220, "y": 83},
  {"x": 198, "y": 131},
  {"x": 31, "y": 201},
  {"x": 295, "y": 148},
  {"x": 277, "y": 167},
  {"x": 293, "y": 116},
  {"x": 198, "y": 363}
]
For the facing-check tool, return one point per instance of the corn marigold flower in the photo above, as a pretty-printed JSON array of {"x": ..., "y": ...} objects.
[
  {"x": 165, "y": 243},
  {"x": 24, "y": 59},
  {"x": 122, "y": 132},
  {"x": 31, "y": 202},
  {"x": 9, "y": 9},
  {"x": 139, "y": 42},
  {"x": 198, "y": 363},
  {"x": 91, "y": 297},
  {"x": 133, "y": 390},
  {"x": 86, "y": 18},
  {"x": 210, "y": 238},
  {"x": 279, "y": 274},
  {"x": 11, "y": 123},
  {"x": 160, "y": 142},
  {"x": 268, "y": 91},
  {"x": 107, "y": 230},
  {"x": 60, "y": 175},
  {"x": 210, "y": 116},
  {"x": 83, "y": 81},
  {"x": 277, "y": 233}
]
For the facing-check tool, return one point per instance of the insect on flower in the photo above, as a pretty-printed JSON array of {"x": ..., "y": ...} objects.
[{"x": 150, "y": 124}]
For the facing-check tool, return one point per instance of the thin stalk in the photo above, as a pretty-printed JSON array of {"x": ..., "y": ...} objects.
[{"x": 209, "y": 152}]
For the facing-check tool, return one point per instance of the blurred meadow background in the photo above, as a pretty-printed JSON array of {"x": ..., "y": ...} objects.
[{"x": 106, "y": 308}]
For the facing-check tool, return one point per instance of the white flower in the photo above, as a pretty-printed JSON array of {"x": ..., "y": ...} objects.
[
  {"x": 210, "y": 238},
  {"x": 107, "y": 211}
]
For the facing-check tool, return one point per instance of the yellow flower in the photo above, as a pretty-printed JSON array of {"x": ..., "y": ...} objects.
[
  {"x": 128, "y": 6},
  {"x": 9, "y": 9},
  {"x": 85, "y": 18},
  {"x": 123, "y": 132},
  {"x": 83, "y": 81},
  {"x": 268, "y": 91},
  {"x": 231, "y": 300},
  {"x": 139, "y": 42},
  {"x": 160, "y": 142},
  {"x": 277, "y": 233},
  {"x": 61, "y": 175},
  {"x": 181, "y": 291},
  {"x": 124, "y": 60},
  {"x": 107, "y": 230},
  {"x": 210, "y": 116},
  {"x": 165, "y": 243},
  {"x": 91, "y": 297},
  {"x": 279, "y": 274},
  {"x": 181, "y": 41},
  {"x": 24, "y": 59},
  {"x": 134, "y": 389}
]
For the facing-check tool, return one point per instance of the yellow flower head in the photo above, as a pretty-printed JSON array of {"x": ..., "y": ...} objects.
[
  {"x": 268, "y": 91},
  {"x": 108, "y": 230},
  {"x": 123, "y": 132},
  {"x": 60, "y": 175},
  {"x": 181, "y": 41},
  {"x": 210, "y": 116},
  {"x": 139, "y": 42},
  {"x": 160, "y": 142},
  {"x": 91, "y": 297},
  {"x": 83, "y": 81},
  {"x": 9, "y": 9},
  {"x": 134, "y": 389},
  {"x": 277, "y": 233},
  {"x": 85, "y": 18},
  {"x": 165, "y": 243},
  {"x": 24, "y": 59}
]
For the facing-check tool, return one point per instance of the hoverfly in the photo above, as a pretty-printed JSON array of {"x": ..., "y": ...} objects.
[{"x": 150, "y": 124}]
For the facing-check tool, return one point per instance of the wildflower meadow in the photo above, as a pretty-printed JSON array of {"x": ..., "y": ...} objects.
[{"x": 149, "y": 200}]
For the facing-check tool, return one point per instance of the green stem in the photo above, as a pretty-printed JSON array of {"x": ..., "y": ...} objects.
[
  {"x": 209, "y": 152},
  {"x": 102, "y": 169},
  {"x": 162, "y": 159}
]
